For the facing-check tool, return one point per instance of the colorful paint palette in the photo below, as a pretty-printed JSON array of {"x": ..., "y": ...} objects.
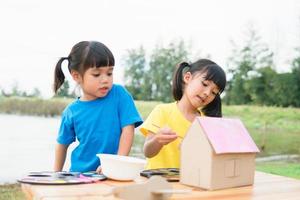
[
  {"x": 60, "y": 178},
  {"x": 170, "y": 174}
]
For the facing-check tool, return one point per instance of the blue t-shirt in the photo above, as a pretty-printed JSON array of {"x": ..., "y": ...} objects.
[{"x": 97, "y": 125}]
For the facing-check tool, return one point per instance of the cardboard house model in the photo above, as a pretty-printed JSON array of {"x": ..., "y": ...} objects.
[{"x": 217, "y": 153}]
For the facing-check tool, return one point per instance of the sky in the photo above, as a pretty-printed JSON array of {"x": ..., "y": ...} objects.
[{"x": 35, "y": 33}]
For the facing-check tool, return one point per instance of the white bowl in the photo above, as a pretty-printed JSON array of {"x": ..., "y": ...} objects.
[{"x": 122, "y": 168}]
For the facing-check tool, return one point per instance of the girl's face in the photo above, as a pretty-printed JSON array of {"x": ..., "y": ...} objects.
[
  {"x": 198, "y": 90},
  {"x": 96, "y": 82}
]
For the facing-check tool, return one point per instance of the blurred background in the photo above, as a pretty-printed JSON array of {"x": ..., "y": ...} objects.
[
  {"x": 34, "y": 34},
  {"x": 257, "y": 43}
]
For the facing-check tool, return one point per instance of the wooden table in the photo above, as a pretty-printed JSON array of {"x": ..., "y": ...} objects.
[{"x": 266, "y": 186}]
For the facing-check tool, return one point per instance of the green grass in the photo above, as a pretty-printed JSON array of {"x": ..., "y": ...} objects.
[
  {"x": 11, "y": 192},
  {"x": 275, "y": 130},
  {"x": 280, "y": 168}
]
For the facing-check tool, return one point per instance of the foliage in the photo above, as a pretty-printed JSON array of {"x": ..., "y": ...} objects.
[
  {"x": 64, "y": 90},
  {"x": 286, "y": 90},
  {"x": 296, "y": 77},
  {"x": 248, "y": 66},
  {"x": 162, "y": 65},
  {"x": 17, "y": 92},
  {"x": 254, "y": 80},
  {"x": 152, "y": 80},
  {"x": 260, "y": 88},
  {"x": 137, "y": 80}
]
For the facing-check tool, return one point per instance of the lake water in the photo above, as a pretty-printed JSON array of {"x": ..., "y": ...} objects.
[{"x": 27, "y": 144}]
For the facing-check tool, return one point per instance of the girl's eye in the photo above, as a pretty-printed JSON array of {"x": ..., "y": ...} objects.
[
  {"x": 96, "y": 75},
  {"x": 204, "y": 84},
  {"x": 109, "y": 74}
]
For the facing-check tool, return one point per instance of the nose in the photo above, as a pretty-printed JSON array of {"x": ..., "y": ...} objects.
[
  {"x": 104, "y": 79},
  {"x": 208, "y": 91}
]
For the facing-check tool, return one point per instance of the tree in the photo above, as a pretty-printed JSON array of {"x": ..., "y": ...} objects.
[
  {"x": 296, "y": 77},
  {"x": 260, "y": 87},
  {"x": 153, "y": 81},
  {"x": 63, "y": 91},
  {"x": 285, "y": 90},
  {"x": 36, "y": 92},
  {"x": 17, "y": 92},
  {"x": 136, "y": 78},
  {"x": 162, "y": 66},
  {"x": 247, "y": 62}
]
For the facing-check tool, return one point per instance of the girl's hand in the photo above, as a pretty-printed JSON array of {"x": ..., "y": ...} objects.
[
  {"x": 155, "y": 141},
  {"x": 165, "y": 135},
  {"x": 99, "y": 169}
]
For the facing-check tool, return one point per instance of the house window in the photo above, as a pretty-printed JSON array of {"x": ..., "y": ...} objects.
[{"x": 232, "y": 168}]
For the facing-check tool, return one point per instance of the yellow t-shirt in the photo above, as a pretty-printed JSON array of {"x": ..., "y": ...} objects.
[{"x": 166, "y": 115}]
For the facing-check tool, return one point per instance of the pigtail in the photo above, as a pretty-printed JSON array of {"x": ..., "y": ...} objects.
[
  {"x": 59, "y": 76},
  {"x": 83, "y": 55},
  {"x": 177, "y": 85},
  {"x": 214, "y": 108}
]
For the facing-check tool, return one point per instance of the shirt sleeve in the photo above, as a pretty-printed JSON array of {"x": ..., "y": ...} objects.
[
  {"x": 154, "y": 121},
  {"x": 66, "y": 134},
  {"x": 127, "y": 111}
]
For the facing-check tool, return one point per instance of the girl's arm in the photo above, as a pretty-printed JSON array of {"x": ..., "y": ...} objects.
[
  {"x": 125, "y": 143},
  {"x": 126, "y": 140},
  {"x": 60, "y": 156},
  {"x": 154, "y": 142}
]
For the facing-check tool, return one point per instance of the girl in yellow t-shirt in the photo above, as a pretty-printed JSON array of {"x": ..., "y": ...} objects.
[{"x": 196, "y": 90}]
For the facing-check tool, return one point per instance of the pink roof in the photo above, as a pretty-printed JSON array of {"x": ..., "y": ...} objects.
[{"x": 227, "y": 135}]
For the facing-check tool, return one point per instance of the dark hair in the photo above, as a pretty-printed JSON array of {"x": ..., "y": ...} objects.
[
  {"x": 84, "y": 55},
  {"x": 213, "y": 72}
]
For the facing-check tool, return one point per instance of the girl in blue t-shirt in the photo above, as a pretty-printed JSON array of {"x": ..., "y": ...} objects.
[{"x": 103, "y": 118}]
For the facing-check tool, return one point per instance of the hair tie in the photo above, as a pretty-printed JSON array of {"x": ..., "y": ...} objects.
[
  {"x": 68, "y": 59},
  {"x": 186, "y": 67}
]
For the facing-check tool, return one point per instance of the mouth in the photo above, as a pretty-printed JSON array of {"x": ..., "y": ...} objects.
[
  {"x": 103, "y": 89},
  {"x": 202, "y": 100}
]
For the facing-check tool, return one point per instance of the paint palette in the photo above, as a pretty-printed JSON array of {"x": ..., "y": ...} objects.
[
  {"x": 170, "y": 174},
  {"x": 60, "y": 178}
]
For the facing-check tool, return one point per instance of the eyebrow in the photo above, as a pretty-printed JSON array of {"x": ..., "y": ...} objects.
[
  {"x": 217, "y": 87},
  {"x": 101, "y": 68},
  {"x": 109, "y": 68}
]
